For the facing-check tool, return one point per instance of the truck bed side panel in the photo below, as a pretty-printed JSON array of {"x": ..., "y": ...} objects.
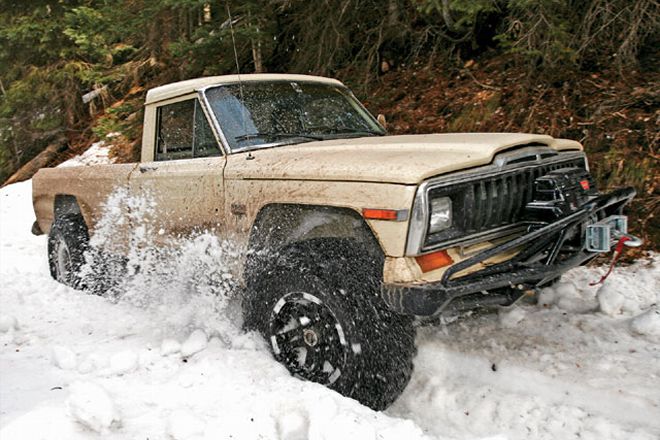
[{"x": 91, "y": 185}]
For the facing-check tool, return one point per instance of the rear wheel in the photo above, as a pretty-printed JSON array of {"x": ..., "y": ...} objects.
[
  {"x": 67, "y": 241},
  {"x": 319, "y": 312}
]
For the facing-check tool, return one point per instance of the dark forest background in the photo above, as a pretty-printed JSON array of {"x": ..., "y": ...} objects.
[{"x": 72, "y": 72}]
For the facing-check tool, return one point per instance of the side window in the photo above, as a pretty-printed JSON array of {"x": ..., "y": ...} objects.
[
  {"x": 204, "y": 143},
  {"x": 184, "y": 132},
  {"x": 175, "y": 130}
]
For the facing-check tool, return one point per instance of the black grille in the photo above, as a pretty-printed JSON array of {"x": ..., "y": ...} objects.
[{"x": 492, "y": 202}]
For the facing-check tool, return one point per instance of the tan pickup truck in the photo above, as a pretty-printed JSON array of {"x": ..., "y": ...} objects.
[{"x": 351, "y": 236}]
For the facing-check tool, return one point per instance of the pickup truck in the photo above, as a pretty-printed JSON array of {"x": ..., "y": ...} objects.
[{"x": 351, "y": 236}]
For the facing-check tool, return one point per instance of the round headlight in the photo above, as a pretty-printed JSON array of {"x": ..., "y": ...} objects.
[{"x": 441, "y": 214}]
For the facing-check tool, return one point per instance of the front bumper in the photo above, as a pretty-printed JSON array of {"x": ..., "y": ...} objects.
[{"x": 542, "y": 257}]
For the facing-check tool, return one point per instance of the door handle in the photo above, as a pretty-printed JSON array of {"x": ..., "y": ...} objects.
[{"x": 147, "y": 168}]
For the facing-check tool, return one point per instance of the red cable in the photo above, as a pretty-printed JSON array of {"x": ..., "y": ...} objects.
[{"x": 618, "y": 250}]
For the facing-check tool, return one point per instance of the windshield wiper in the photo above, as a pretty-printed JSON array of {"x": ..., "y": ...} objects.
[
  {"x": 275, "y": 135},
  {"x": 352, "y": 131},
  {"x": 345, "y": 130}
]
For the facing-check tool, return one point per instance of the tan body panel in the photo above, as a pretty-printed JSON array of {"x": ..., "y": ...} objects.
[
  {"x": 187, "y": 195},
  {"x": 408, "y": 159},
  {"x": 253, "y": 195},
  {"x": 90, "y": 185},
  {"x": 172, "y": 90}
]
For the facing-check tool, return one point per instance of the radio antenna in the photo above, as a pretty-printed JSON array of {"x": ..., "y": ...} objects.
[{"x": 238, "y": 68}]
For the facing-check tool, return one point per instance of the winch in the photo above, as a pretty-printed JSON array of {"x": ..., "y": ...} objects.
[
  {"x": 559, "y": 193},
  {"x": 563, "y": 191}
]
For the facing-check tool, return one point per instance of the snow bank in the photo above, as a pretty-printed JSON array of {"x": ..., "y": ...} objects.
[{"x": 162, "y": 355}]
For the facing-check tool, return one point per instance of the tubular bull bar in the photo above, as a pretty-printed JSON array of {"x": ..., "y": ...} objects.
[{"x": 537, "y": 263}]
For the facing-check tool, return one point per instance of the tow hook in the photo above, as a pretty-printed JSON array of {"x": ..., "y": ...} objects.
[
  {"x": 601, "y": 236},
  {"x": 631, "y": 240}
]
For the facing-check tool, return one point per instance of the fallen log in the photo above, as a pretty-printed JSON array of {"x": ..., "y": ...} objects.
[{"x": 41, "y": 160}]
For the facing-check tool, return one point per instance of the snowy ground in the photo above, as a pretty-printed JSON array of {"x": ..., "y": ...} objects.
[{"x": 585, "y": 363}]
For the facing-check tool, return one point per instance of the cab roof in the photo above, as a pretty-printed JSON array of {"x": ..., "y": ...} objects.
[{"x": 180, "y": 88}]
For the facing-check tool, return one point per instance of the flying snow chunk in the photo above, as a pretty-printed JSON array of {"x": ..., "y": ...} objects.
[
  {"x": 123, "y": 362},
  {"x": 169, "y": 346},
  {"x": 511, "y": 318},
  {"x": 92, "y": 362},
  {"x": 8, "y": 322},
  {"x": 91, "y": 406},
  {"x": 610, "y": 300},
  {"x": 64, "y": 357},
  {"x": 293, "y": 425},
  {"x": 569, "y": 297},
  {"x": 196, "y": 342},
  {"x": 183, "y": 424},
  {"x": 647, "y": 323}
]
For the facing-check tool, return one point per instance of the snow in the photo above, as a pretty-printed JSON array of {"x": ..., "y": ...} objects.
[
  {"x": 96, "y": 154},
  {"x": 64, "y": 358},
  {"x": 91, "y": 406},
  {"x": 183, "y": 425},
  {"x": 123, "y": 362},
  {"x": 647, "y": 323},
  {"x": 162, "y": 355},
  {"x": 195, "y": 343},
  {"x": 511, "y": 318},
  {"x": 169, "y": 346},
  {"x": 8, "y": 323}
]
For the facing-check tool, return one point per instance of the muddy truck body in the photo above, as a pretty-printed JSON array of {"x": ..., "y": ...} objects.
[{"x": 351, "y": 236}]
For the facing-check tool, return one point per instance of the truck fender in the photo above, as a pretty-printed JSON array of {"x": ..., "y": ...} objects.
[{"x": 279, "y": 226}]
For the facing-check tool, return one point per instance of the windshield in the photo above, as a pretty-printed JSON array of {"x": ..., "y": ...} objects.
[{"x": 283, "y": 112}]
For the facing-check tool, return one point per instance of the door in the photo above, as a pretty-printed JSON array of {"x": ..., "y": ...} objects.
[{"x": 181, "y": 191}]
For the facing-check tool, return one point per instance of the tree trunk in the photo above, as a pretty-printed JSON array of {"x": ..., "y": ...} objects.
[
  {"x": 392, "y": 13},
  {"x": 256, "y": 47},
  {"x": 256, "y": 55},
  {"x": 41, "y": 160}
]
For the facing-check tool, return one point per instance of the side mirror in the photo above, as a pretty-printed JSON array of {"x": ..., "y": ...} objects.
[{"x": 381, "y": 120}]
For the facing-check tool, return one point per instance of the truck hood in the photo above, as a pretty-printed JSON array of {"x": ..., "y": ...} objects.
[{"x": 407, "y": 159}]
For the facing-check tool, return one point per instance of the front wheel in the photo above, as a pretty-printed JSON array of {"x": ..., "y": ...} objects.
[{"x": 326, "y": 326}]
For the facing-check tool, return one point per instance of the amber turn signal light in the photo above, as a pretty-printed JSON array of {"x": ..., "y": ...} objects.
[
  {"x": 434, "y": 260},
  {"x": 385, "y": 214}
]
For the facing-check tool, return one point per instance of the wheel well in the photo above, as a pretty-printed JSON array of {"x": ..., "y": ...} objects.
[
  {"x": 66, "y": 205},
  {"x": 279, "y": 226}
]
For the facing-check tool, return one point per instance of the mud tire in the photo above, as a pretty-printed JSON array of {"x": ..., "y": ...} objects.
[
  {"x": 376, "y": 359},
  {"x": 67, "y": 242}
]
